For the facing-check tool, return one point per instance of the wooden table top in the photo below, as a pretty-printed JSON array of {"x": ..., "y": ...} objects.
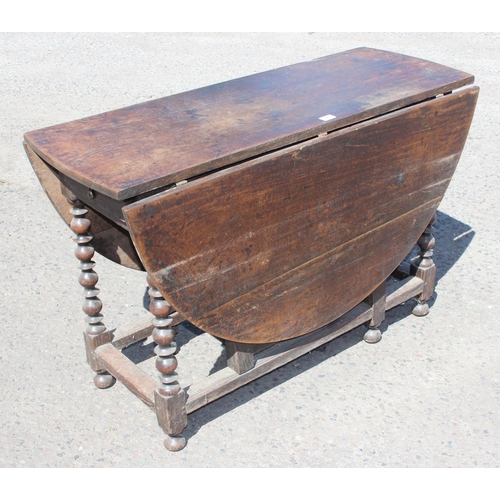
[{"x": 134, "y": 150}]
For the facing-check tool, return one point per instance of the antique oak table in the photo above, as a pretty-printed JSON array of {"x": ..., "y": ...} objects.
[{"x": 268, "y": 211}]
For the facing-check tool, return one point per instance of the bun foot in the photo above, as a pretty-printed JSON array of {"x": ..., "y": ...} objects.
[
  {"x": 372, "y": 336},
  {"x": 175, "y": 443},
  {"x": 104, "y": 380},
  {"x": 421, "y": 309}
]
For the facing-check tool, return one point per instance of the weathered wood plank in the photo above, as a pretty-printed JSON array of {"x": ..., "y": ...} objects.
[
  {"x": 127, "y": 372},
  {"x": 126, "y": 335},
  {"x": 319, "y": 291},
  {"x": 236, "y": 120},
  {"x": 397, "y": 293},
  {"x": 223, "y": 382},
  {"x": 129, "y": 334},
  {"x": 226, "y": 380},
  {"x": 264, "y": 222}
]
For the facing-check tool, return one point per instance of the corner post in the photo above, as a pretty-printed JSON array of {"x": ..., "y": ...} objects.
[
  {"x": 96, "y": 333},
  {"x": 376, "y": 300},
  {"x": 170, "y": 398},
  {"x": 425, "y": 269}
]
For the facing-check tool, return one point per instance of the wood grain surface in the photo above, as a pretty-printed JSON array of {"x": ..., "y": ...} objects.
[
  {"x": 131, "y": 151},
  {"x": 110, "y": 239},
  {"x": 278, "y": 246}
]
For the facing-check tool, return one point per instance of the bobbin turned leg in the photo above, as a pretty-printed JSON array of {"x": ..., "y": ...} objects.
[
  {"x": 96, "y": 333},
  {"x": 170, "y": 398},
  {"x": 377, "y": 302},
  {"x": 425, "y": 269}
]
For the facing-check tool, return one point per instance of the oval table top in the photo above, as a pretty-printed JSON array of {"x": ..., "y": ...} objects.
[
  {"x": 136, "y": 149},
  {"x": 281, "y": 245}
]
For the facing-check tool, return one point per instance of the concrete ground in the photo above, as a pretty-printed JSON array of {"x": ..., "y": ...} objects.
[{"x": 427, "y": 395}]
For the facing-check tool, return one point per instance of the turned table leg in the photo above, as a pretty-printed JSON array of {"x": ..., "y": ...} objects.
[
  {"x": 377, "y": 301},
  {"x": 95, "y": 333},
  {"x": 425, "y": 269},
  {"x": 170, "y": 398}
]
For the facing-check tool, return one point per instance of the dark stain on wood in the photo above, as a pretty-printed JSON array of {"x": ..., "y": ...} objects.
[
  {"x": 278, "y": 246},
  {"x": 267, "y": 206},
  {"x": 131, "y": 151}
]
